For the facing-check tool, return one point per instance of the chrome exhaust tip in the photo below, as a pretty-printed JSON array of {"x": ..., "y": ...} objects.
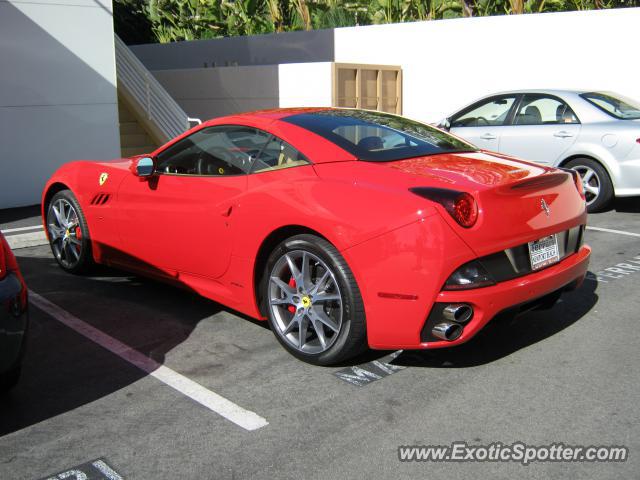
[
  {"x": 447, "y": 331},
  {"x": 458, "y": 312}
]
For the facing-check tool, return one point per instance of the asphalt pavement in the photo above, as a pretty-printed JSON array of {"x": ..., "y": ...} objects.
[{"x": 113, "y": 359}]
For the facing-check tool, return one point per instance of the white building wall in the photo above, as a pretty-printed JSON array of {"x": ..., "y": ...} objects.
[
  {"x": 58, "y": 99},
  {"x": 305, "y": 84},
  {"x": 450, "y": 63}
]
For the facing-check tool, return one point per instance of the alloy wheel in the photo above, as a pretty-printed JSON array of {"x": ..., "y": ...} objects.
[
  {"x": 590, "y": 182},
  {"x": 305, "y": 302},
  {"x": 65, "y": 233}
]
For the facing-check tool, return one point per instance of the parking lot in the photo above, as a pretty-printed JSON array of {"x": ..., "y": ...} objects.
[{"x": 112, "y": 359}]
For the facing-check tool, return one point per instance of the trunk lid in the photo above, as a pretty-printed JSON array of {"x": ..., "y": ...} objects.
[{"x": 518, "y": 201}]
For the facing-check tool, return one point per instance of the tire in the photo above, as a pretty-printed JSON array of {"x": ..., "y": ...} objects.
[
  {"x": 596, "y": 183},
  {"x": 69, "y": 236},
  {"x": 322, "y": 301}
]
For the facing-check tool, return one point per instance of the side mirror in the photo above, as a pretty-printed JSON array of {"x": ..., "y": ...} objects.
[
  {"x": 445, "y": 124},
  {"x": 144, "y": 167}
]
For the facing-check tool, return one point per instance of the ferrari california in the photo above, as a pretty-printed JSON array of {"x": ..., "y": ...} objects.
[
  {"x": 342, "y": 228},
  {"x": 595, "y": 133},
  {"x": 13, "y": 317}
]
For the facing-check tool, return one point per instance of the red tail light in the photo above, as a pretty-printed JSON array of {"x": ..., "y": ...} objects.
[
  {"x": 465, "y": 210},
  {"x": 460, "y": 205}
]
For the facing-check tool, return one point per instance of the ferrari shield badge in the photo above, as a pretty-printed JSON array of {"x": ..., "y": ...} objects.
[
  {"x": 103, "y": 178},
  {"x": 545, "y": 208}
]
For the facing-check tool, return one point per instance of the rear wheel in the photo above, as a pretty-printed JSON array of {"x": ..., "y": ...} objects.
[
  {"x": 597, "y": 185},
  {"x": 68, "y": 233},
  {"x": 312, "y": 301}
]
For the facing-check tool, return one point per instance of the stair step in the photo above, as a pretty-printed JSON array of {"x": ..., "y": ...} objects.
[
  {"x": 130, "y": 151},
  {"x": 134, "y": 140},
  {"x": 127, "y": 128}
]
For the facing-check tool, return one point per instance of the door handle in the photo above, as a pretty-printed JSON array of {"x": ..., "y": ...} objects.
[
  {"x": 488, "y": 136},
  {"x": 563, "y": 134},
  {"x": 225, "y": 212}
]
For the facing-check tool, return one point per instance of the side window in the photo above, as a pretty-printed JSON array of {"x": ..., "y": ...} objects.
[
  {"x": 541, "y": 110},
  {"x": 214, "y": 151},
  {"x": 491, "y": 113},
  {"x": 278, "y": 154}
]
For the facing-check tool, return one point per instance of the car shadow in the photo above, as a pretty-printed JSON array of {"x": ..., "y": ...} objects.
[
  {"x": 507, "y": 334},
  {"x": 626, "y": 205},
  {"x": 9, "y": 215},
  {"x": 62, "y": 370}
]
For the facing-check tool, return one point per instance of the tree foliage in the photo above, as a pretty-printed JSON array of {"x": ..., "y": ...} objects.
[{"x": 138, "y": 21}]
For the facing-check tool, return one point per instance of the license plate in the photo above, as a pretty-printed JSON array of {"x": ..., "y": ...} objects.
[{"x": 544, "y": 252}]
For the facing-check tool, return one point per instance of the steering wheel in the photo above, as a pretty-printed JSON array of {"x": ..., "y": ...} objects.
[
  {"x": 482, "y": 122},
  {"x": 223, "y": 161}
]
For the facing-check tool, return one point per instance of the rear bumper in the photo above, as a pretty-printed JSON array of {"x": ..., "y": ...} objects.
[
  {"x": 13, "y": 321},
  {"x": 401, "y": 275},
  {"x": 489, "y": 301}
]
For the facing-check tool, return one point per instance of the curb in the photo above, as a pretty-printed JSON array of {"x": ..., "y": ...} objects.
[{"x": 24, "y": 240}]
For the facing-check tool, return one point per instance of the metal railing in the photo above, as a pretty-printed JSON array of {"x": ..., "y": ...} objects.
[{"x": 151, "y": 99}]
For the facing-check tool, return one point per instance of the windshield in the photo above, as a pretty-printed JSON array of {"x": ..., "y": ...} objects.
[
  {"x": 616, "y": 106},
  {"x": 378, "y": 137}
]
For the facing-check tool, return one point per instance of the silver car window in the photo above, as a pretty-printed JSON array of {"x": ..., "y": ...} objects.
[
  {"x": 493, "y": 112},
  {"x": 616, "y": 106},
  {"x": 543, "y": 110}
]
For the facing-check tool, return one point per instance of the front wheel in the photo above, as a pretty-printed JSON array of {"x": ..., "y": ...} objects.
[
  {"x": 597, "y": 185},
  {"x": 312, "y": 301},
  {"x": 69, "y": 233}
]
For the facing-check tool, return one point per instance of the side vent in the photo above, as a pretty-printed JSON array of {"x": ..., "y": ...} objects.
[{"x": 100, "y": 199}]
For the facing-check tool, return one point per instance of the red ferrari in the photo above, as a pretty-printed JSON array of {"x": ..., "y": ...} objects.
[{"x": 342, "y": 228}]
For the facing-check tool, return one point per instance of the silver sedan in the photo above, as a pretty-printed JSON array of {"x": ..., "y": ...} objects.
[{"x": 595, "y": 133}]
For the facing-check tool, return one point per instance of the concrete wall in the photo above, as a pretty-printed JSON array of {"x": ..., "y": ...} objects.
[
  {"x": 446, "y": 64},
  {"x": 212, "y": 92},
  {"x": 449, "y": 63},
  {"x": 289, "y": 47},
  {"x": 57, "y": 91}
]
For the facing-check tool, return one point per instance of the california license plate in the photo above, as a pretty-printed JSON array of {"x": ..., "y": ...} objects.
[{"x": 544, "y": 252}]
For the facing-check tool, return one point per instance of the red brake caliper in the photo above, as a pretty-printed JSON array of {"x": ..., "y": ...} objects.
[
  {"x": 78, "y": 233},
  {"x": 292, "y": 283}
]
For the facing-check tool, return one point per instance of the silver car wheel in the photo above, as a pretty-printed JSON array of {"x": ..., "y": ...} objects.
[
  {"x": 590, "y": 182},
  {"x": 65, "y": 234},
  {"x": 305, "y": 302}
]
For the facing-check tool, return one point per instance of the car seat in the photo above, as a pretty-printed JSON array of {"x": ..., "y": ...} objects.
[{"x": 371, "y": 143}]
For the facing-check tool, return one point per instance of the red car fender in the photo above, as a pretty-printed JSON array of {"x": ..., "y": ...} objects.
[{"x": 400, "y": 275}]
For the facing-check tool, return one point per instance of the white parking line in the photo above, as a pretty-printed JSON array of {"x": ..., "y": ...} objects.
[
  {"x": 608, "y": 230},
  {"x": 22, "y": 229},
  {"x": 214, "y": 402}
]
